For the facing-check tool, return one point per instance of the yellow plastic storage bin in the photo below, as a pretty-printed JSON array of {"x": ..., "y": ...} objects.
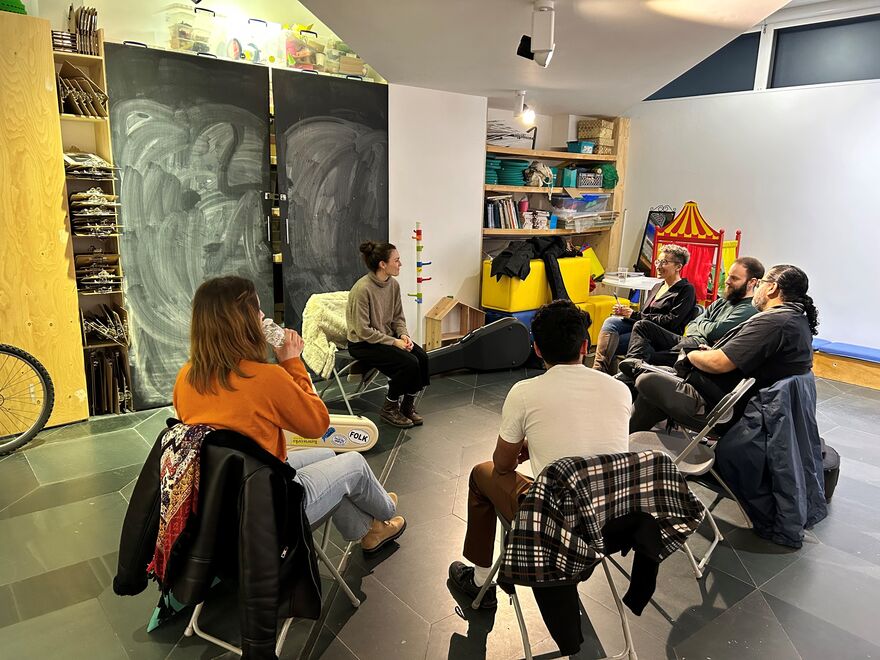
[
  {"x": 599, "y": 308},
  {"x": 511, "y": 294}
]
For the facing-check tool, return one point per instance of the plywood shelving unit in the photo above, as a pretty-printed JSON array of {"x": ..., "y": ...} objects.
[
  {"x": 605, "y": 241},
  {"x": 92, "y": 135}
]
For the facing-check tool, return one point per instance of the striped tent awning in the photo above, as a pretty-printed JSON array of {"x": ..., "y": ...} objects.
[{"x": 689, "y": 223}]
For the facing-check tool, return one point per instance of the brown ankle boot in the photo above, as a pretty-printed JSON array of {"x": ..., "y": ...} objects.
[
  {"x": 381, "y": 533},
  {"x": 606, "y": 347},
  {"x": 391, "y": 413},
  {"x": 408, "y": 409}
]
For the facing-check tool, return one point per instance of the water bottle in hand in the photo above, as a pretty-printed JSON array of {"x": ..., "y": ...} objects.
[{"x": 273, "y": 333}]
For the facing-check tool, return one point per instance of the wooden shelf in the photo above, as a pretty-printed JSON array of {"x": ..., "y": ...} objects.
[
  {"x": 88, "y": 120},
  {"x": 540, "y": 154},
  {"x": 451, "y": 336},
  {"x": 103, "y": 344},
  {"x": 542, "y": 232},
  {"x": 532, "y": 189},
  {"x": 80, "y": 59},
  {"x": 100, "y": 293}
]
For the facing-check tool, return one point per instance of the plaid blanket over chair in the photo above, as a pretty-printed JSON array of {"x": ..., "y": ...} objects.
[
  {"x": 556, "y": 537},
  {"x": 178, "y": 489}
]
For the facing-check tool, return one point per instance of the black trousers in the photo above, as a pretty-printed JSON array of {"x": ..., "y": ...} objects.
[
  {"x": 662, "y": 396},
  {"x": 655, "y": 344},
  {"x": 407, "y": 371}
]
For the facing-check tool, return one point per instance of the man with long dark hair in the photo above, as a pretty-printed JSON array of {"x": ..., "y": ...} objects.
[{"x": 772, "y": 345}]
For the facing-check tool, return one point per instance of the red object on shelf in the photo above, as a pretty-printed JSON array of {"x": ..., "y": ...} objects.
[{"x": 705, "y": 244}]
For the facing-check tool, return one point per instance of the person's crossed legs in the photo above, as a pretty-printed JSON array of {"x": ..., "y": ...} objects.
[{"x": 344, "y": 487}]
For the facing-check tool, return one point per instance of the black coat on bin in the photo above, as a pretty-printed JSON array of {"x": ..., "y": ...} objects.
[
  {"x": 250, "y": 526},
  {"x": 513, "y": 261}
]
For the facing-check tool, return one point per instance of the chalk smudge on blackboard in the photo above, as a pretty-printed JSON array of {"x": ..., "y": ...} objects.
[
  {"x": 190, "y": 182},
  {"x": 337, "y": 173}
]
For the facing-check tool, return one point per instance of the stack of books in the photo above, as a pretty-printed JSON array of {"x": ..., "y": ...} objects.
[{"x": 501, "y": 213}]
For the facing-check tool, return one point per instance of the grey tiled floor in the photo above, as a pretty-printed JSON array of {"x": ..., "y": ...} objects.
[{"x": 62, "y": 500}]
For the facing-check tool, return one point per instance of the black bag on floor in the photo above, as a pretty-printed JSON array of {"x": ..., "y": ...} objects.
[{"x": 831, "y": 468}]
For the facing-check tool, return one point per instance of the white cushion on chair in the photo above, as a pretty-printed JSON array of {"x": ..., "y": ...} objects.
[
  {"x": 324, "y": 329},
  {"x": 698, "y": 462}
]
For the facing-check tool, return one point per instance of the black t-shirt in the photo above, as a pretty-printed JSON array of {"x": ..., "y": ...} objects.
[{"x": 770, "y": 346}]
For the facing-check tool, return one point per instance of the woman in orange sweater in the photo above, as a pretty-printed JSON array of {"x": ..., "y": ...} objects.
[{"x": 229, "y": 384}]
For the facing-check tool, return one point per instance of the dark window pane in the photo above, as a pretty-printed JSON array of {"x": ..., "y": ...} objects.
[
  {"x": 827, "y": 52},
  {"x": 731, "y": 69}
]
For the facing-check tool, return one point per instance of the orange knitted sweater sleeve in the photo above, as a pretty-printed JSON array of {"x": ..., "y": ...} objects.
[{"x": 295, "y": 403}]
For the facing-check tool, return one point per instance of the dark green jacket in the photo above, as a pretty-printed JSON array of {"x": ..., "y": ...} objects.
[{"x": 718, "y": 318}]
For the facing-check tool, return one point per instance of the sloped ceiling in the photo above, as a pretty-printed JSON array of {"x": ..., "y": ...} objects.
[{"x": 610, "y": 54}]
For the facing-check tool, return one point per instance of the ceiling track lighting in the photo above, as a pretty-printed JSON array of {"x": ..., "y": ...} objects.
[
  {"x": 521, "y": 110},
  {"x": 540, "y": 45}
]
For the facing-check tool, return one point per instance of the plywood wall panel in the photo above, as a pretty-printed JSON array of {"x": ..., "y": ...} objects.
[{"x": 38, "y": 303}]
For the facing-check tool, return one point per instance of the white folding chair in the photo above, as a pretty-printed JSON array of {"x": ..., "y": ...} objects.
[
  {"x": 365, "y": 382},
  {"x": 321, "y": 550},
  {"x": 628, "y": 652},
  {"x": 694, "y": 455}
]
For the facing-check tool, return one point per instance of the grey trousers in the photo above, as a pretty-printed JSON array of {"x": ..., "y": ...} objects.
[{"x": 661, "y": 396}]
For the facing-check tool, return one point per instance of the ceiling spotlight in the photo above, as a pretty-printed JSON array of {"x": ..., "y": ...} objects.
[
  {"x": 540, "y": 45},
  {"x": 521, "y": 110}
]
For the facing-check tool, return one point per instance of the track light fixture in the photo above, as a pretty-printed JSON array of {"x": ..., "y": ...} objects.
[
  {"x": 521, "y": 110},
  {"x": 540, "y": 45}
]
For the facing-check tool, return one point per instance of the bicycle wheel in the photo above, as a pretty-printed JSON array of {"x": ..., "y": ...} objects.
[{"x": 26, "y": 398}]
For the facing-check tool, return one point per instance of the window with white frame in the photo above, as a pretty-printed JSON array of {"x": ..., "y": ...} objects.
[
  {"x": 796, "y": 46},
  {"x": 833, "y": 51}
]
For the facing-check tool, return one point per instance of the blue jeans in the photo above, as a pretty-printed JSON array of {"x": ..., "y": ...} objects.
[
  {"x": 623, "y": 328},
  {"x": 343, "y": 487}
]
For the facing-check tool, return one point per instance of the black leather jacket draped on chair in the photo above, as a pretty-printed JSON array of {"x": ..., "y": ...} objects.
[{"x": 250, "y": 525}]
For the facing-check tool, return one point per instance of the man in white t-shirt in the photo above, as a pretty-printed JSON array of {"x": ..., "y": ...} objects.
[{"x": 568, "y": 411}]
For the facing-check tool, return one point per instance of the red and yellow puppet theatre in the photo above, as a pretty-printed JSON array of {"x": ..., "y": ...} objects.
[{"x": 707, "y": 247}]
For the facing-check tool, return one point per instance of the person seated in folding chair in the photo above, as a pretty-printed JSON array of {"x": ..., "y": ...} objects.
[
  {"x": 772, "y": 345},
  {"x": 654, "y": 344},
  {"x": 229, "y": 384},
  {"x": 377, "y": 334},
  {"x": 570, "y": 410},
  {"x": 670, "y": 304}
]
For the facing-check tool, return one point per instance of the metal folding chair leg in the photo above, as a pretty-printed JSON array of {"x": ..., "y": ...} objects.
[
  {"x": 364, "y": 387},
  {"x": 193, "y": 627},
  {"x": 514, "y": 599},
  {"x": 628, "y": 651},
  {"x": 732, "y": 496},
  {"x": 717, "y": 537}
]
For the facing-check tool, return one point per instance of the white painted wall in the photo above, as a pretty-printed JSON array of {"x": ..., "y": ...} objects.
[
  {"x": 796, "y": 169},
  {"x": 543, "y": 122},
  {"x": 437, "y": 157}
]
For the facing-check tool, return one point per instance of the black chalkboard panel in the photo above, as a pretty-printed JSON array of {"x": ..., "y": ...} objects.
[
  {"x": 191, "y": 138},
  {"x": 332, "y": 139}
]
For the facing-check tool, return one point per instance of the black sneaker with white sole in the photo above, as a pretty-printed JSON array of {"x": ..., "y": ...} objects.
[{"x": 462, "y": 577}]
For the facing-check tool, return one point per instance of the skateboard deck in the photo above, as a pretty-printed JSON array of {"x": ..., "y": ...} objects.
[{"x": 346, "y": 433}]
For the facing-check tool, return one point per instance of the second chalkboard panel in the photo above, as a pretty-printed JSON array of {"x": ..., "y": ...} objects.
[{"x": 332, "y": 137}]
